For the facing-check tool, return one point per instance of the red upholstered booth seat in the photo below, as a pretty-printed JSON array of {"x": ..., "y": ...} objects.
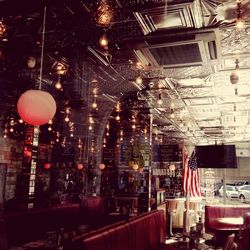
[
  {"x": 246, "y": 219},
  {"x": 214, "y": 212},
  {"x": 142, "y": 233},
  {"x": 32, "y": 224}
]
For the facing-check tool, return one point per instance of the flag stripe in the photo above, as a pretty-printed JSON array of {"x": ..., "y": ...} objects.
[{"x": 191, "y": 175}]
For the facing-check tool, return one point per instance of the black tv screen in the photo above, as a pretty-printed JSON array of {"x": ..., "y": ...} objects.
[{"x": 216, "y": 156}]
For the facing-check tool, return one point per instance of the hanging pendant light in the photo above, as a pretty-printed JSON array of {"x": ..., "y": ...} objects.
[
  {"x": 234, "y": 76},
  {"x": 37, "y": 107}
]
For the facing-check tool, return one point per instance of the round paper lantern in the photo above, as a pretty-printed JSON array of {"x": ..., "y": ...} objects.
[
  {"x": 234, "y": 77},
  {"x": 172, "y": 167},
  {"x": 80, "y": 166},
  {"x": 135, "y": 166},
  {"x": 101, "y": 166},
  {"x": 31, "y": 62},
  {"x": 47, "y": 165},
  {"x": 36, "y": 107}
]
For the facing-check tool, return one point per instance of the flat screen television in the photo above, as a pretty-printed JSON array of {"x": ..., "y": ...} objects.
[{"x": 216, "y": 156}]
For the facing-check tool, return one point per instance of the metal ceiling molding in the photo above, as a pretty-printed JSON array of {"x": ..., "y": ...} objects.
[{"x": 186, "y": 48}]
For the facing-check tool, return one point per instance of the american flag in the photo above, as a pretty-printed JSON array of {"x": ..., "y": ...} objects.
[{"x": 191, "y": 177}]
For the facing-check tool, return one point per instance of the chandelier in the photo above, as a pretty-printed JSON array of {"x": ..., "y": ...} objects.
[{"x": 104, "y": 14}]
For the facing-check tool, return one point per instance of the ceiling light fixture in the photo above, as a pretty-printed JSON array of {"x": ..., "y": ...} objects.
[
  {"x": 66, "y": 118},
  {"x": 58, "y": 84},
  {"x": 234, "y": 76},
  {"x": 2, "y": 29},
  {"x": 60, "y": 68},
  {"x": 118, "y": 117},
  {"x": 240, "y": 22},
  {"x": 31, "y": 62},
  {"x": 159, "y": 101},
  {"x": 94, "y": 105},
  {"x": 138, "y": 80},
  {"x": 37, "y": 107},
  {"x": 104, "y": 13},
  {"x": 103, "y": 41}
]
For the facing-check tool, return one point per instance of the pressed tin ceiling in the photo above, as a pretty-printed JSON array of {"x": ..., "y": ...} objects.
[{"x": 198, "y": 88}]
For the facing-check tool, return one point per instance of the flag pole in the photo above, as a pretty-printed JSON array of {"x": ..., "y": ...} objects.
[
  {"x": 186, "y": 223},
  {"x": 186, "y": 191}
]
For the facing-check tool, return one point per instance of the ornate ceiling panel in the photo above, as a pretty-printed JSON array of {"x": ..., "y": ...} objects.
[
  {"x": 201, "y": 96},
  {"x": 189, "y": 72}
]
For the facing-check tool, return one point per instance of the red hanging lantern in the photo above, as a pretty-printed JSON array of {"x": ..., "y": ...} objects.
[
  {"x": 101, "y": 166},
  {"x": 36, "y": 107},
  {"x": 80, "y": 166},
  {"x": 47, "y": 165}
]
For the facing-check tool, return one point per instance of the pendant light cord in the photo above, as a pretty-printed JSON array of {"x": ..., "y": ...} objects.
[{"x": 42, "y": 52}]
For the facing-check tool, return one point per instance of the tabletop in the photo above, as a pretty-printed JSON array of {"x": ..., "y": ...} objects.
[{"x": 231, "y": 220}]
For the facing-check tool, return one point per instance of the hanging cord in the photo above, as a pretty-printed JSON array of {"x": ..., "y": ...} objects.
[{"x": 42, "y": 52}]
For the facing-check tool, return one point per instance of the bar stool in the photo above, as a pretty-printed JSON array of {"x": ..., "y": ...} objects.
[
  {"x": 172, "y": 210},
  {"x": 191, "y": 218}
]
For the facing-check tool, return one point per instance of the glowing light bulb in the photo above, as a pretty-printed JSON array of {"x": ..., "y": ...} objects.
[
  {"x": 4, "y": 136},
  {"x": 49, "y": 128},
  {"x": 159, "y": 101},
  {"x": 94, "y": 105},
  {"x": 91, "y": 120},
  {"x": 71, "y": 135},
  {"x": 138, "y": 80},
  {"x": 66, "y": 119},
  {"x": 240, "y": 23},
  {"x": 117, "y": 118},
  {"x": 103, "y": 41},
  {"x": 20, "y": 121},
  {"x": 58, "y": 85},
  {"x": 11, "y": 129},
  {"x": 133, "y": 126},
  {"x": 95, "y": 91}
]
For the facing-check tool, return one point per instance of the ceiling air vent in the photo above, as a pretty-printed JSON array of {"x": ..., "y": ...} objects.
[{"x": 180, "y": 51}]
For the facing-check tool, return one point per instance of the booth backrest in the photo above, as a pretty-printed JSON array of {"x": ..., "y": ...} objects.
[
  {"x": 246, "y": 219},
  {"x": 34, "y": 223},
  {"x": 213, "y": 212},
  {"x": 144, "y": 233},
  {"x": 94, "y": 205}
]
